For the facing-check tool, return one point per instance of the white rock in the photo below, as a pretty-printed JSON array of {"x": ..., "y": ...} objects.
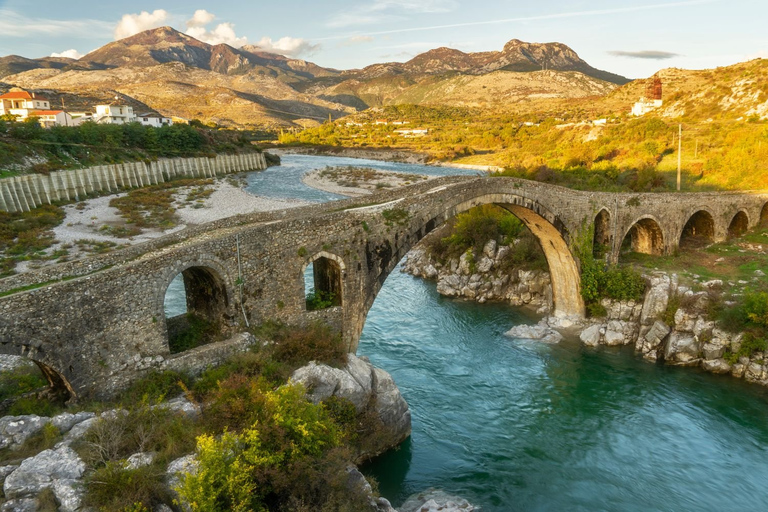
[
  {"x": 65, "y": 421},
  {"x": 682, "y": 349},
  {"x": 591, "y": 335},
  {"x": 716, "y": 365},
  {"x": 435, "y": 500},
  {"x": 489, "y": 249},
  {"x": 541, "y": 332},
  {"x": 656, "y": 299},
  {"x": 41, "y": 471},
  {"x": 14, "y": 430},
  {"x": 177, "y": 468},
  {"x": 140, "y": 460},
  {"x": 69, "y": 493}
]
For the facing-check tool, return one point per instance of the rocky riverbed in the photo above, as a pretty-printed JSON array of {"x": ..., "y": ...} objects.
[
  {"x": 670, "y": 324},
  {"x": 489, "y": 278}
]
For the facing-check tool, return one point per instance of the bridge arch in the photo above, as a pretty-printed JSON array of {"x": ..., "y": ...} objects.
[
  {"x": 645, "y": 236},
  {"x": 550, "y": 231},
  {"x": 601, "y": 235},
  {"x": 739, "y": 224},
  {"x": 208, "y": 296},
  {"x": 59, "y": 387},
  {"x": 698, "y": 230},
  {"x": 764, "y": 215},
  {"x": 328, "y": 271}
]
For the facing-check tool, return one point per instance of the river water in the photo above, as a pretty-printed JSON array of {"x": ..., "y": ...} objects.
[{"x": 515, "y": 425}]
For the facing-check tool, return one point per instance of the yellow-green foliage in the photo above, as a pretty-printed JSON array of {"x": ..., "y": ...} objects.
[
  {"x": 626, "y": 154},
  {"x": 278, "y": 456}
]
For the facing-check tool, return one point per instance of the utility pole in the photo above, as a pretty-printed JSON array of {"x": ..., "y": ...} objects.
[{"x": 679, "y": 154}]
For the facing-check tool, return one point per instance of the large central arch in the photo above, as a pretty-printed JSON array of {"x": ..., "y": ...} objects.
[{"x": 548, "y": 229}]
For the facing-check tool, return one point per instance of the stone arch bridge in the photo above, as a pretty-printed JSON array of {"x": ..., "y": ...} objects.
[{"x": 96, "y": 324}]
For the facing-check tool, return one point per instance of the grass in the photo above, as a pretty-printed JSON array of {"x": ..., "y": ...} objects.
[
  {"x": 152, "y": 207},
  {"x": 27, "y": 235}
]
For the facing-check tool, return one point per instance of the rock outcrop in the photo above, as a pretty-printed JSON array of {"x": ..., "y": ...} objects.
[
  {"x": 488, "y": 277},
  {"x": 436, "y": 500},
  {"x": 368, "y": 388}
]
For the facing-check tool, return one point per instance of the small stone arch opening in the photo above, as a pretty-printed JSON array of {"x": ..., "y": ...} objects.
[
  {"x": 29, "y": 379},
  {"x": 601, "y": 240},
  {"x": 195, "y": 306},
  {"x": 739, "y": 225},
  {"x": 323, "y": 285},
  {"x": 644, "y": 237},
  {"x": 764, "y": 215},
  {"x": 698, "y": 232}
]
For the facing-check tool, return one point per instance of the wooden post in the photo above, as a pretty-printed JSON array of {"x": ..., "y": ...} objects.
[{"x": 679, "y": 154}]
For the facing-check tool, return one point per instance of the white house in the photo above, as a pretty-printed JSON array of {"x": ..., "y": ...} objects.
[
  {"x": 21, "y": 103},
  {"x": 114, "y": 114},
  {"x": 644, "y": 106},
  {"x": 153, "y": 119},
  {"x": 50, "y": 118}
]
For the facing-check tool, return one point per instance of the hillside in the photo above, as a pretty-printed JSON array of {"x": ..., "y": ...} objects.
[
  {"x": 175, "y": 74},
  {"x": 589, "y": 142}
]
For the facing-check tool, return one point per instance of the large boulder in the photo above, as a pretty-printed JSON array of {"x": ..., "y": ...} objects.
[
  {"x": 540, "y": 332},
  {"x": 651, "y": 338},
  {"x": 58, "y": 469},
  {"x": 14, "y": 430},
  {"x": 682, "y": 349},
  {"x": 657, "y": 298},
  {"x": 370, "y": 389},
  {"x": 592, "y": 335}
]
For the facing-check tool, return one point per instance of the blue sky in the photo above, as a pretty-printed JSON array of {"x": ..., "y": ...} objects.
[{"x": 634, "y": 38}]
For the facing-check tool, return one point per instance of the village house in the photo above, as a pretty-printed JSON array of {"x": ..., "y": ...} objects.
[
  {"x": 155, "y": 120},
  {"x": 21, "y": 103},
  {"x": 48, "y": 118},
  {"x": 114, "y": 114}
]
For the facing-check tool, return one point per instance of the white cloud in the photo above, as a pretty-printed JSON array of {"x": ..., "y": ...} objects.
[
  {"x": 223, "y": 33},
  {"x": 13, "y": 24},
  {"x": 200, "y": 19},
  {"x": 289, "y": 46},
  {"x": 131, "y": 24},
  {"x": 69, "y": 54}
]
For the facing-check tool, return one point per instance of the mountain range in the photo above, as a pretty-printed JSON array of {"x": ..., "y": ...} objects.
[{"x": 175, "y": 74}]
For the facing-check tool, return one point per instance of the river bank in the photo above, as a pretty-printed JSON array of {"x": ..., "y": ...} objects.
[
  {"x": 385, "y": 155},
  {"x": 358, "y": 181}
]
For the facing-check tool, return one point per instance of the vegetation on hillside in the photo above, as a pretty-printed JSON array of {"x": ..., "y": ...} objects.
[
  {"x": 62, "y": 147},
  {"x": 626, "y": 154}
]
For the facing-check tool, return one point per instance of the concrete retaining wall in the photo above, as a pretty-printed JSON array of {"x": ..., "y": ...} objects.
[{"x": 22, "y": 193}]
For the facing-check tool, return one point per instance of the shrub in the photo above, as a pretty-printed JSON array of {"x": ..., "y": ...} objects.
[
  {"x": 287, "y": 459},
  {"x": 319, "y": 299},
  {"x": 112, "y": 487},
  {"x": 20, "y": 381},
  {"x": 155, "y": 386},
  {"x": 756, "y": 308}
]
